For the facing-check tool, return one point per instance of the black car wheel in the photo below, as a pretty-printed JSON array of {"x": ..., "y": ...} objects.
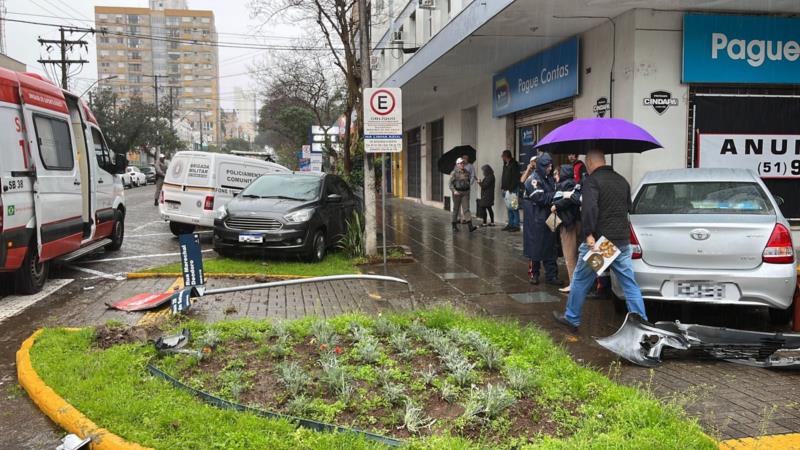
[
  {"x": 318, "y": 247},
  {"x": 178, "y": 228},
  {"x": 780, "y": 316}
]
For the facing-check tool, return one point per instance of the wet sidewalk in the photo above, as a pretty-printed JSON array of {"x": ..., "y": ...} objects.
[{"x": 486, "y": 270}]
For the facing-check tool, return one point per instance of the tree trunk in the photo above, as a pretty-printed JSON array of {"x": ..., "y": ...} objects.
[
  {"x": 370, "y": 210},
  {"x": 348, "y": 141}
]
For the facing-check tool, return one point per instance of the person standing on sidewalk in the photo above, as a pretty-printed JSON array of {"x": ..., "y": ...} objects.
[
  {"x": 606, "y": 202},
  {"x": 567, "y": 205},
  {"x": 509, "y": 185},
  {"x": 539, "y": 242},
  {"x": 459, "y": 186},
  {"x": 161, "y": 171},
  {"x": 487, "y": 195},
  {"x": 578, "y": 168},
  {"x": 472, "y": 178}
]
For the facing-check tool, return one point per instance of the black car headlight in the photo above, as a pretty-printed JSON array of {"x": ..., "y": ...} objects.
[{"x": 303, "y": 215}]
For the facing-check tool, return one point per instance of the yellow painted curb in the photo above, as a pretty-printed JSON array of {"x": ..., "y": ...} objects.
[
  {"x": 790, "y": 441},
  {"x": 152, "y": 317},
  {"x": 61, "y": 412}
]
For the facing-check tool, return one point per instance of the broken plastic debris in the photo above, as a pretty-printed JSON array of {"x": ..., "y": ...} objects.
[{"x": 73, "y": 442}]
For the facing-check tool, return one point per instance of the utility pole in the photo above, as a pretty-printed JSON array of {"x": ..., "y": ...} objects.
[
  {"x": 370, "y": 210},
  {"x": 64, "y": 45},
  {"x": 255, "y": 122},
  {"x": 171, "y": 107},
  {"x": 200, "y": 115}
]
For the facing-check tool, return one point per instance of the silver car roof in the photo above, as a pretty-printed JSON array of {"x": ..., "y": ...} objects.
[{"x": 697, "y": 175}]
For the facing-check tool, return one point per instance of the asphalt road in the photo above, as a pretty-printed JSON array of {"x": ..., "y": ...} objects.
[{"x": 148, "y": 242}]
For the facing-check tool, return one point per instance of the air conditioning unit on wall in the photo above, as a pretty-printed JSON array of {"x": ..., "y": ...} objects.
[
  {"x": 426, "y": 4},
  {"x": 397, "y": 37}
]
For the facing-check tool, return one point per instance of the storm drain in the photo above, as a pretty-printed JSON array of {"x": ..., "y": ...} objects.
[{"x": 534, "y": 297}]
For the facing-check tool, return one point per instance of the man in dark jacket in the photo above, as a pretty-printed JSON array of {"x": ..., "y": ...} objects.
[
  {"x": 509, "y": 185},
  {"x": 606, "y": 202}
]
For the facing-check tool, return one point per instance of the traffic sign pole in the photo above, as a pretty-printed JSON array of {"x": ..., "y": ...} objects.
[{"x": 383, "y": 207}]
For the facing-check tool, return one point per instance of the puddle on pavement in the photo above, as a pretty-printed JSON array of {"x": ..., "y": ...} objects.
[
  {"x": 456, "y": 275},
  {"x": 534, "y": 297}
]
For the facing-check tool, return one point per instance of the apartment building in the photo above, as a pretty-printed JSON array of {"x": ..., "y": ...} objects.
[
  {"x": 169, "y": 45},
  {"x": 501, "y": 74}
]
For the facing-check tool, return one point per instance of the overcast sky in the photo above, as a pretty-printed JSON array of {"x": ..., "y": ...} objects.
[{"x": 231, "y": 16}]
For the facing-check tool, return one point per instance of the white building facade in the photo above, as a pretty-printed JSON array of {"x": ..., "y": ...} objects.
[{"x": 500, "y": 74}]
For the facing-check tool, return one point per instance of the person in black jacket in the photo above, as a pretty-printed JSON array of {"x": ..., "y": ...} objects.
[
  {"x": 486, "y": 201},
  {"x": 539, "y": 242},
  {"x": 606, "y": 202},
  {"x": 567, "y": 205},
  {"x": 509, "y": 185}
]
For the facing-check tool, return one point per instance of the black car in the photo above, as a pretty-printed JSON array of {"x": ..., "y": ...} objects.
[
  {"x": 301, "y": 213},
  {"x": 149, "y": 173}
]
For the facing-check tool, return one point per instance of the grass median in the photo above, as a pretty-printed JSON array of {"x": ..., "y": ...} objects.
[
  {"x": 585, "y": 409},
  {"x": 333, "y": 264}
]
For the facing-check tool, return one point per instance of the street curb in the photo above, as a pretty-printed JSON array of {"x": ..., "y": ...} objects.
[
  {"x": 139, "y": 275},
  {"x": 789, "y": 440},
  {"x": 58, "y": 410}
]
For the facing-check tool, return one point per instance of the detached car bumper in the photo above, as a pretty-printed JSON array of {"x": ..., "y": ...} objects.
[
  {"x": 201, "y": 221},
  {"x": 771, "y": 285},
  {"x": 289, "y": 239}
]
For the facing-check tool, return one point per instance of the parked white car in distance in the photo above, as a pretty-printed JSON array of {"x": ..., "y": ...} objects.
[{"x": 135, "y": 176}]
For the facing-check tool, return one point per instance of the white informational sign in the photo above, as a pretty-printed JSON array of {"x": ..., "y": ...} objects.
[
  {"x": 383, "y": 120},
  {"x": 316, "y": 162},
  {"x": 769, "y": 155},
  {"x": 306, "y": 151}
]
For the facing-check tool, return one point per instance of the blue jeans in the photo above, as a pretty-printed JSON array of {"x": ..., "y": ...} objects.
[
  {"x": 584, "y": 277},
  {"x": 513, "y": 214}
]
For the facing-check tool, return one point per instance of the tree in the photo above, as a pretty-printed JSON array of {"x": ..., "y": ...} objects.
[
  {"x": 306, "y": 81},
  {"x": 337, "y": 29},
  {"x": 132, "y": 124},
  {"x": 236, "y": 144}
]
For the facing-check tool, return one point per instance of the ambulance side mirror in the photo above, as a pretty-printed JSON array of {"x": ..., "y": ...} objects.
[{"x": 120, "y": 163}]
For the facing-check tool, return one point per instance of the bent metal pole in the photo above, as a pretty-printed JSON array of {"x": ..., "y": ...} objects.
[{"x": 249, "y": 287}]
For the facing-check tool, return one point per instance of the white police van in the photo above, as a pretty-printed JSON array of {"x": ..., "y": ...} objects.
[
  {"x": 59, "y": 196},
  {"x": 197, "y": 183}
]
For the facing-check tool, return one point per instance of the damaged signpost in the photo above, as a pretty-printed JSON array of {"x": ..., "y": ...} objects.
[
  {"x": 642, "y": 343},
  {"x": 194, "y": 282}
]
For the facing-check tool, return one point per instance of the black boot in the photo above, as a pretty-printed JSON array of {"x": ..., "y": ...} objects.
[
  {"x": 455, "y": 226},
  {"x": 471, "y": 227}
]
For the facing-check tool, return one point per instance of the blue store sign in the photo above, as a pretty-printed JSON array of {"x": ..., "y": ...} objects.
[
  {"x": 543, "y": 78},
  {"x": 741, "y": 49}
]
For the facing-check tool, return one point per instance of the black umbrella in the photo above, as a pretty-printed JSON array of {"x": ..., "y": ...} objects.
[{"x": 447, "y": 162}]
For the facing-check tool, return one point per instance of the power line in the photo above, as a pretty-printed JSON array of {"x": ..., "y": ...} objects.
[{"x": 64, "y": 45}]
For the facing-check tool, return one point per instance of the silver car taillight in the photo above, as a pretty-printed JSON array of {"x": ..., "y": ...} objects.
[
  {"x": 779, "y": 247},
  {"x": 636, "y": 248}
]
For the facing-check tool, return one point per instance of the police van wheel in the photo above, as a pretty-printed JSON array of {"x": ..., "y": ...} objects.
[
  {"x": 118, "y": 233},
  {"x": 32, "y": 275},
  {"x": 178, "y": 228}
]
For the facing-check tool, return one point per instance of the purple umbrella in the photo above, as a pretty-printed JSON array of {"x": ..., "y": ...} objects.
[{"x": 607, "y": 135}]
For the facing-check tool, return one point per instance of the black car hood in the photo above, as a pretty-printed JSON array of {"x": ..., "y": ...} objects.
[{"x": 241, "y": 206}]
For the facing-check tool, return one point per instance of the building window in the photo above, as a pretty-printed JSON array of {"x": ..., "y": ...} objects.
[
  {"x": 120, "y": 40},
  {"x": 133, "y": 19},
  {"x": 102, "y": 16},
  {"x": 136, "y": 91},
  {"x": 134, "y": 43},
  {"x": 174, "y": 68},
  {"x": 186, "y": 19},
  {"x": 135, "y": 55},
  {"x": 172, "y": 21},
  {"x": 207, "y": 90},
  {"x": 205, "y": 20},
  {"x": 188, "y": 78},
  {"x": 105, "y": 53},
  {"x": 55, "y": 146},
  {"x": 135, "y": 79},
  {"x": 104, "y": 40},
  {"x": 105, "y": 65},
  {"x": 135, "y": 67},
  {"x": 133, "y": 29}
]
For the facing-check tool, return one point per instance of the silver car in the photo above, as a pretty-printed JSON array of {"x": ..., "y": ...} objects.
[{"x": 712, "y": 236}]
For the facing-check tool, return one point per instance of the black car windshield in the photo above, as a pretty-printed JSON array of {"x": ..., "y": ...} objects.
[
  {"x": 287, "y": 186},
  {"x": 708, "y": 197}
]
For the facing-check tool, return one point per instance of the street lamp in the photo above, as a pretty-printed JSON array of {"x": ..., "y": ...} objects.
[{"x": 97, "y": 81}]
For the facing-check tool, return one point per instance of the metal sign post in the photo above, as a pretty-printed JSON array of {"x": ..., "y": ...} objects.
[{"x": 383, "y": 133}]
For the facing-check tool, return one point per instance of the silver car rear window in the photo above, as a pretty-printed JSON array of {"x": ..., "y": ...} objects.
[{"x": 709, "y": 197}]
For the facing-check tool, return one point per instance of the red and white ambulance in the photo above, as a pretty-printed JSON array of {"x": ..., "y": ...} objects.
[{"x": 59, "y": 196}]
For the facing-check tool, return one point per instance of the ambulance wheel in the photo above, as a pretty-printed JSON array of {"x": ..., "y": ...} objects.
[
  {"x": 118, "y": 233},
  {"x": 31, "y": 276},
  {"x": 178, "y": 228}
]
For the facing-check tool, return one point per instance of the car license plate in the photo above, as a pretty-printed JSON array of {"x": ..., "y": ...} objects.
[
  {"x": 251, "y": 238},
  {"x": 173, "y": 206},
  {"x": 694, "y": 289}
]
